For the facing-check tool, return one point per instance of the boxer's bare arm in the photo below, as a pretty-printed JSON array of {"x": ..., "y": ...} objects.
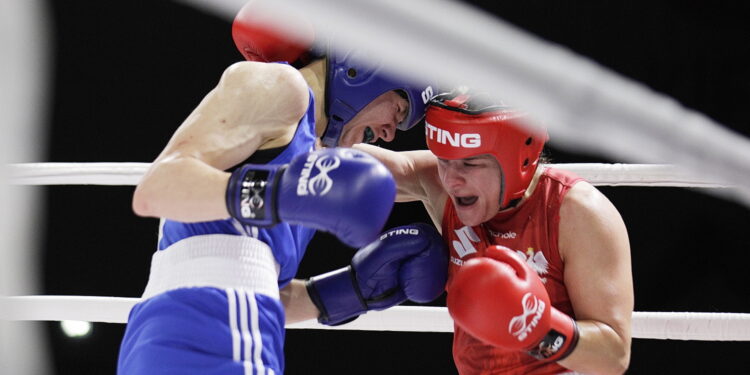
[
  {"x": 254, "y": 106},
  {"x": 594, "y": 246},
  {"x": 416, "y": 177}
]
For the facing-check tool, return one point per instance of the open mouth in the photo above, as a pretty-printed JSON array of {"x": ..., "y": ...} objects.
[
  {"x": 368, "y": 135},
  {"x": 466, "y": 201}
]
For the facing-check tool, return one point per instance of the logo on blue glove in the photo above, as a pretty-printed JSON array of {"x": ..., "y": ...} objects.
[
  {"x": 251, "y": 200},
  {"x": 320, "y": 184},
  {"x": 396, "y": 232}
]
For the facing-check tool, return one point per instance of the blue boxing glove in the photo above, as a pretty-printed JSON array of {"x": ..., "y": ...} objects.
[
  {"x": 409, "y": 262},
  {"x": 343, "y": 191}
]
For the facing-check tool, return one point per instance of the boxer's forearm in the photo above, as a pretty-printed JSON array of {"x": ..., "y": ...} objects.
[
  {"x": 600, "y": 350},
  {"x": 297, "y": 303},
  {"x": 169, "y": 190}
]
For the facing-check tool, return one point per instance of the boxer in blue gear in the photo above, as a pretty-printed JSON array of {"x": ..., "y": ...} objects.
[
  {"x": 212, "y": 304},
  {"x": 207, "y": 329}
]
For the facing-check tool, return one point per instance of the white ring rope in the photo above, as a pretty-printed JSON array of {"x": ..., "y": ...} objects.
[
  {"x": 645, "y": 325},
  {"x": 130, "y": 174},
  {"x": 76, "y": 173},
  {"x": 652, "y": 325}
]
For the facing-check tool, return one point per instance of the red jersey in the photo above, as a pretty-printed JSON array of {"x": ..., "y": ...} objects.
[{"x": 532, "y": 230}]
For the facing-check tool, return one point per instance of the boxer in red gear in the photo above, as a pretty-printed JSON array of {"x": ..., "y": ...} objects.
[{"x": 483, "y": 184}]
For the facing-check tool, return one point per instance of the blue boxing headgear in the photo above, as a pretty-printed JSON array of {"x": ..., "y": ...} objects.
[{"x": 351, "y": 85}]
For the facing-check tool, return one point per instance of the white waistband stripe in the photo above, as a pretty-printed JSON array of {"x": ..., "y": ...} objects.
[
  {"x": 244, "y": 328},
  {"x": 256, "y": 336},
  {"x": 232, "y": 302}
]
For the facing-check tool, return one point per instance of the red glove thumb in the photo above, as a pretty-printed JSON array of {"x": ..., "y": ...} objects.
[{"x": 257, "y": 39}]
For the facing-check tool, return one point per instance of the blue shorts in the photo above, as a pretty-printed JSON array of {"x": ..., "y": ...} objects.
[{"x": 204, "y": 331}]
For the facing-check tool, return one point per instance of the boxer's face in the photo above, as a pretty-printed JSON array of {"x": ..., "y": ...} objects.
[
  {"x": 378, "y": 120},
  {"x": 474, "y": 186}
]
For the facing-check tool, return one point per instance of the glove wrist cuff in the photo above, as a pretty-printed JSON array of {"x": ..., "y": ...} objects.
[
  {"x": 336, "y": 296},
  {"x": 560, "y": 341},
  {"x": 251, "y": 194}
]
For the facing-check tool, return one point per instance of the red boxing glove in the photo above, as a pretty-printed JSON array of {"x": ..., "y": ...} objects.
[
  {"x": 500, "y": 300},
  {"x": 258, "y": 42}
]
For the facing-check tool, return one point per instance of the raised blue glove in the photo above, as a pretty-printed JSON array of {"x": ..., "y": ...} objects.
[
  {"x": 343, "y": 191},
  {"x": 409, "y": 262}
]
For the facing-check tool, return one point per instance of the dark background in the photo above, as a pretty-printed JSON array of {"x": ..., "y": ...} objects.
[{"x": 127, "y": 73}]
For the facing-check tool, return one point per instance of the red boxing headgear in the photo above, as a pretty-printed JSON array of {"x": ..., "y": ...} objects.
[{"x": 461, "y": 126}]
